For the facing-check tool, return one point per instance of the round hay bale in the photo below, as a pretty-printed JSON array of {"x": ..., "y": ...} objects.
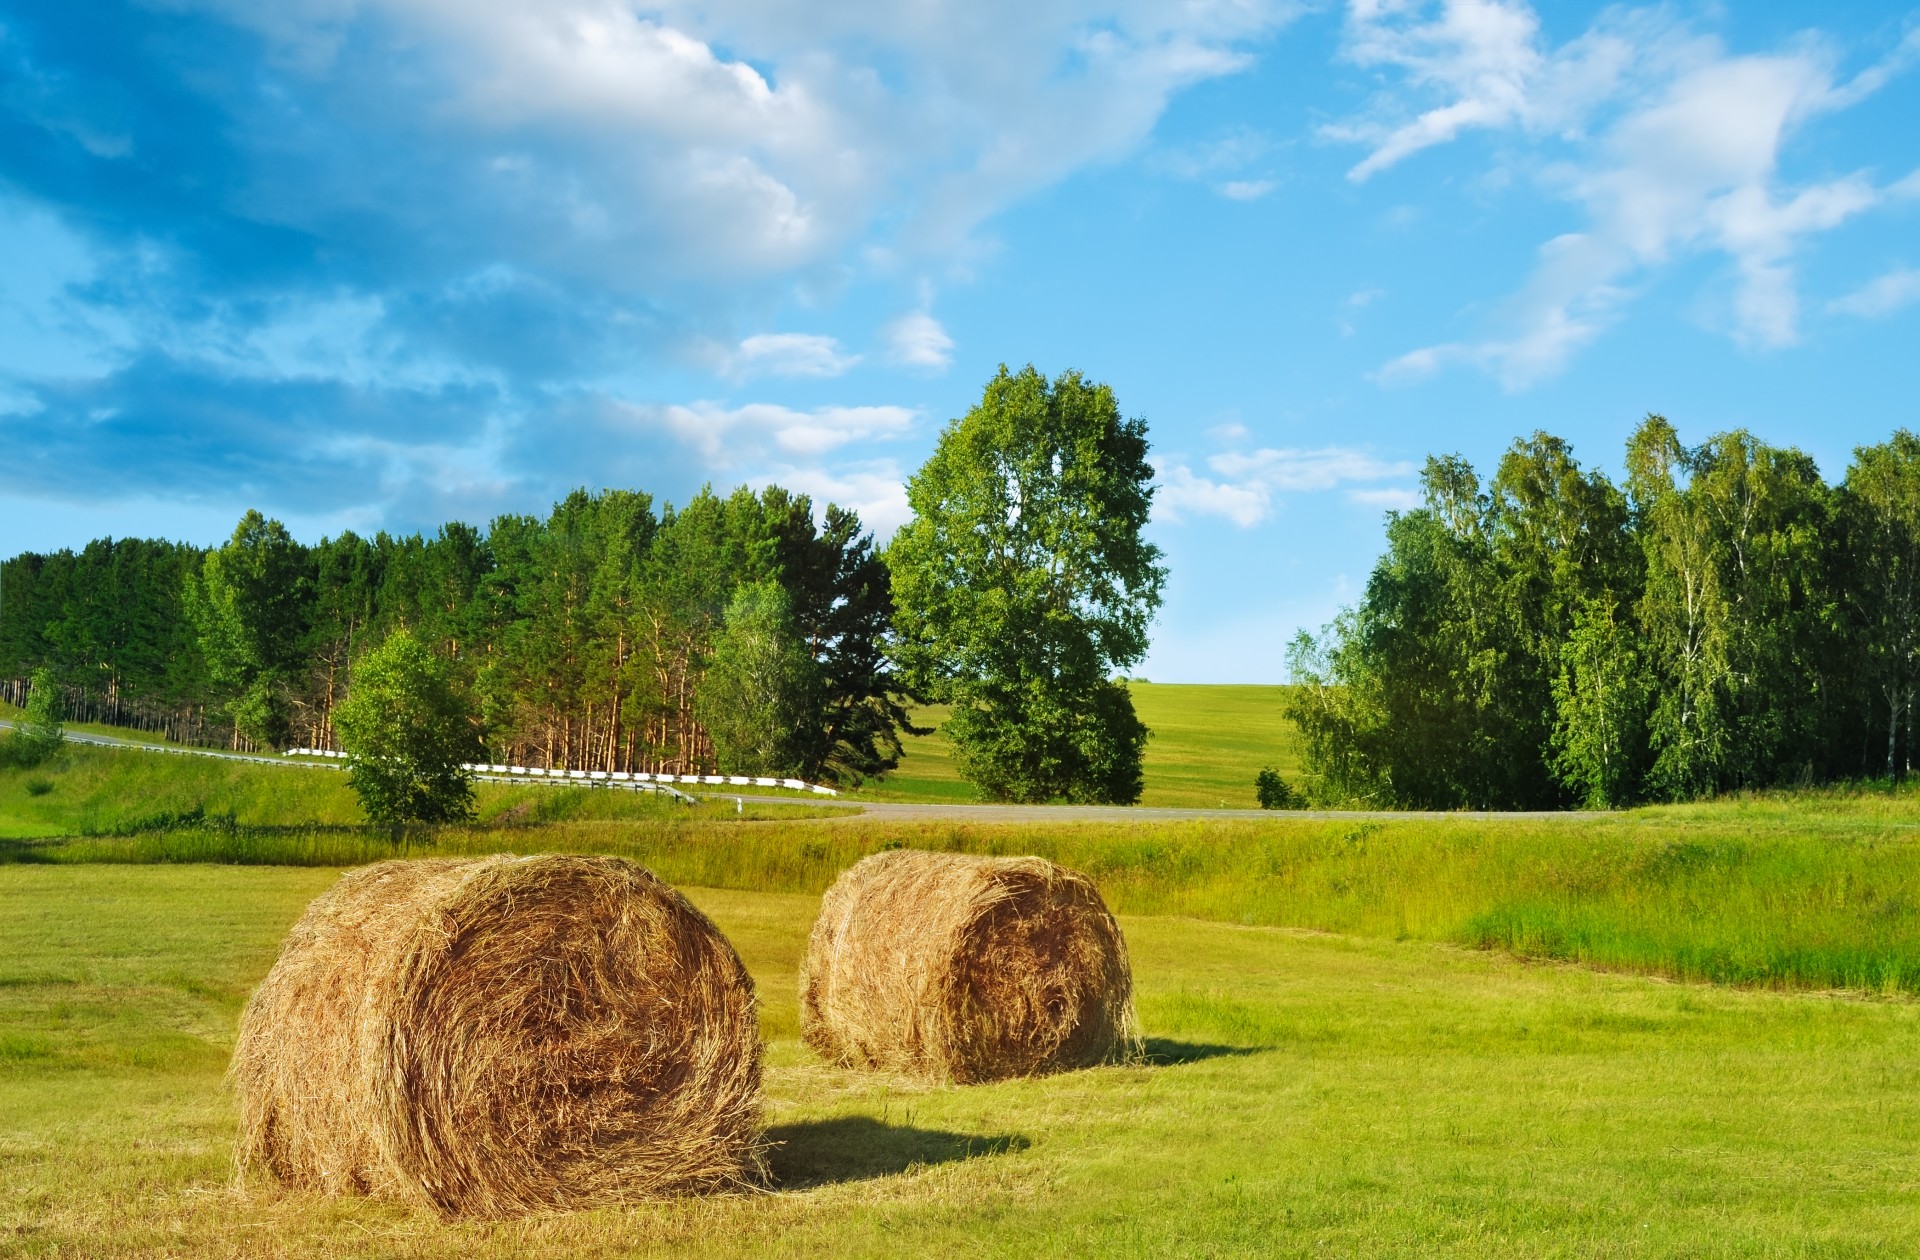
[
  {"x": 966, "y": 969},
  {"x": 503, "y": 1035}
]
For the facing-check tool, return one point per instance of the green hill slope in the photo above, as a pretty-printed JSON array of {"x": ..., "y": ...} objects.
[{"x": 1208, "y": 743}]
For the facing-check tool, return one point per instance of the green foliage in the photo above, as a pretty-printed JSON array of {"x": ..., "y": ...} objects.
[
  {"x": 406, "y": 734},
  {"x": 1727, "y": 622},
  {"x": 759, "y": 696},
  {"x": 248, "y": 602},
  {"x": 39, "y": 734},
  {"x": 1879, "y": 512},
  {"x": 1023, "y": 583},
  {"x": 1600, "y": 697},
  {"x": 1273, "y": 792},
  {"x": 583, "y": 637}
]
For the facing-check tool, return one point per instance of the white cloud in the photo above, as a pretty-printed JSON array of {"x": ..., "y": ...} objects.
[
  {"x": 730, "y": 437},
  {"x": 1224, "y": 163},
  {"x": 1684, "y": 160},
  {"x": 1247, "y": 189},
  {"x": 806, "y": 130},
  {"x": 1347, "y": 321},
  {"x": 1244, "y": 484},
  {"x": 1392, "y": 498},
  {"x": 1894, "y": 291},
  {"x": 876, "y": 489},
  {"x": 917, "y": 340},
  {"x": 787, "y": 354}
]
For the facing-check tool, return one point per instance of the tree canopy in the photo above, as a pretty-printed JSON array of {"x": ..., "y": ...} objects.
[
  {"x": 1724, "y": 620},
  {"x": 407, "y": 735},
  {"x": 1023, "y": 583},
  {"x": 583, "y": 638}
]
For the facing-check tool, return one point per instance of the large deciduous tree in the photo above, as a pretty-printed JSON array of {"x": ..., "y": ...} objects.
[{"x": 1023, "y": 583}]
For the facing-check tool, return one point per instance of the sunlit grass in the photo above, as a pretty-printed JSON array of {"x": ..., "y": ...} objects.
[
  {"x": 1310, "y": 1095},
  {"x": 1208, "y": 743}
]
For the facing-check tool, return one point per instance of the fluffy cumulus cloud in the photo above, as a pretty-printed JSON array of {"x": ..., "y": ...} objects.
[
  {"x": 1669, "y": 145},
  {"x": 487, "y": 211},
  {"x": 917, "y": 340},
  {"x": 1242, "y": 486}
]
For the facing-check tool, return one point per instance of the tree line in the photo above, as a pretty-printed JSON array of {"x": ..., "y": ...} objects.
[
  {"x": 1724, "y": 619},
  {"x": 606, "y": 636},
  {"x": 737, "y": 634}
]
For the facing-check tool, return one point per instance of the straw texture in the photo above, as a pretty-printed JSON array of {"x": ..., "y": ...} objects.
[
  {"x": 966, "y": 969},
  {"x": 502, "y": 1035}
]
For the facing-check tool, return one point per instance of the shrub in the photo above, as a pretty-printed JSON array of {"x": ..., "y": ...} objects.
[{"x": 1274, "y": 792}]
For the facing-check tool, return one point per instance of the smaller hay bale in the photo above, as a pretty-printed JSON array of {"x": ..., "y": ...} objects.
[
  {"x": 497, "y": 1036},
  {"x": 966, "y": 969}
]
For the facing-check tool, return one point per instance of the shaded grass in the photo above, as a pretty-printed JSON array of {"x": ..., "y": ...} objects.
[{"x": 1341, "y": 1096}]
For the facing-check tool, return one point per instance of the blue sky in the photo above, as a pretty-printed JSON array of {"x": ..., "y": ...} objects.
[{"x": 382, "y": 263}]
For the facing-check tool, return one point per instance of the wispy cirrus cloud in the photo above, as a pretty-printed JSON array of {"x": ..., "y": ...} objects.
[
  {"x": 1882, "y": 296},
  {"x": 1669, "y": 144}
]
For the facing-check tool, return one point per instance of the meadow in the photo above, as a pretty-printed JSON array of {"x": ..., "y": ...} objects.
[
  {"x": 1307, "y": 1094},
  {"x": 1208, "y": 743},
  {"x": 1683, "y": 1030}
]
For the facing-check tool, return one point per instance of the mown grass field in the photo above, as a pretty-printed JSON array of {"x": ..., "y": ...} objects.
[
  {"x": 1312, "y": 1095},
  {"x": 1369, "y": 1037},
  {"x": 1208, "y": 743}
]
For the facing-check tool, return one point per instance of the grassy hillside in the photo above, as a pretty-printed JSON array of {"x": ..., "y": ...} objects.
[
  {"x": 1208, "y": 743},
  {"x": 1309, "y": 1095}
]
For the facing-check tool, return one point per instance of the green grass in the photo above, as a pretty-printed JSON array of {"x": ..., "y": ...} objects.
[
  {"x": 1208, "y": 743},
  {"x": 203, "y": 803},
  {"x": 1817, "y": 890},
  {"x": 1313, "y": 1095}
]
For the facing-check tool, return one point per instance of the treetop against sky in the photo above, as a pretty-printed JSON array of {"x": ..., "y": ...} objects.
[{"x": 387, "y": 263}]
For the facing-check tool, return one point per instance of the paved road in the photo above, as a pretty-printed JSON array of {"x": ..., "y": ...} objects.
[
  {"x": 910, "y": 811},
  {"x": 112, "y": 741},
  {"x": 906, "y": 810}
]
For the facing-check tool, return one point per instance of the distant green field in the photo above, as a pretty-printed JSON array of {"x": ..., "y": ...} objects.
[
  {"x": 1308, "y": 1095},
  {"x": 1208, "y": 743}
]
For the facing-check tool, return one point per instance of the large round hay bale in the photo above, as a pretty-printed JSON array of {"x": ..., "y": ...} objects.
[
  {"x": 502, "y": 1035},
  {"x": 966, "y": 969}
]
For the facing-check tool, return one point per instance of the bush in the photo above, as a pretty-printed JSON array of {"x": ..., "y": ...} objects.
[
  {"x": 38, "y": 786},
  {"x": 38, "y": 734},
  {"x": 406, "y": 734},
  {"x": 1274, "y": 792}
]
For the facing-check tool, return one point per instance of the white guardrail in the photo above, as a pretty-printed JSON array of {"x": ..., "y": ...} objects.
[{"x": 592, "y": 777}]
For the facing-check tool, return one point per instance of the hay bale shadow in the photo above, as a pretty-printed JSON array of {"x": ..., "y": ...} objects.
[
  {"x": 860, "y": 1148},
  {"x": 1162, "y": 1052}
]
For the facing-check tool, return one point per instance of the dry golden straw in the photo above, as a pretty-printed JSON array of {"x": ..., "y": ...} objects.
[
  {"x": 966, "y": 969},
  {"x": 499, "y": 1036}
]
